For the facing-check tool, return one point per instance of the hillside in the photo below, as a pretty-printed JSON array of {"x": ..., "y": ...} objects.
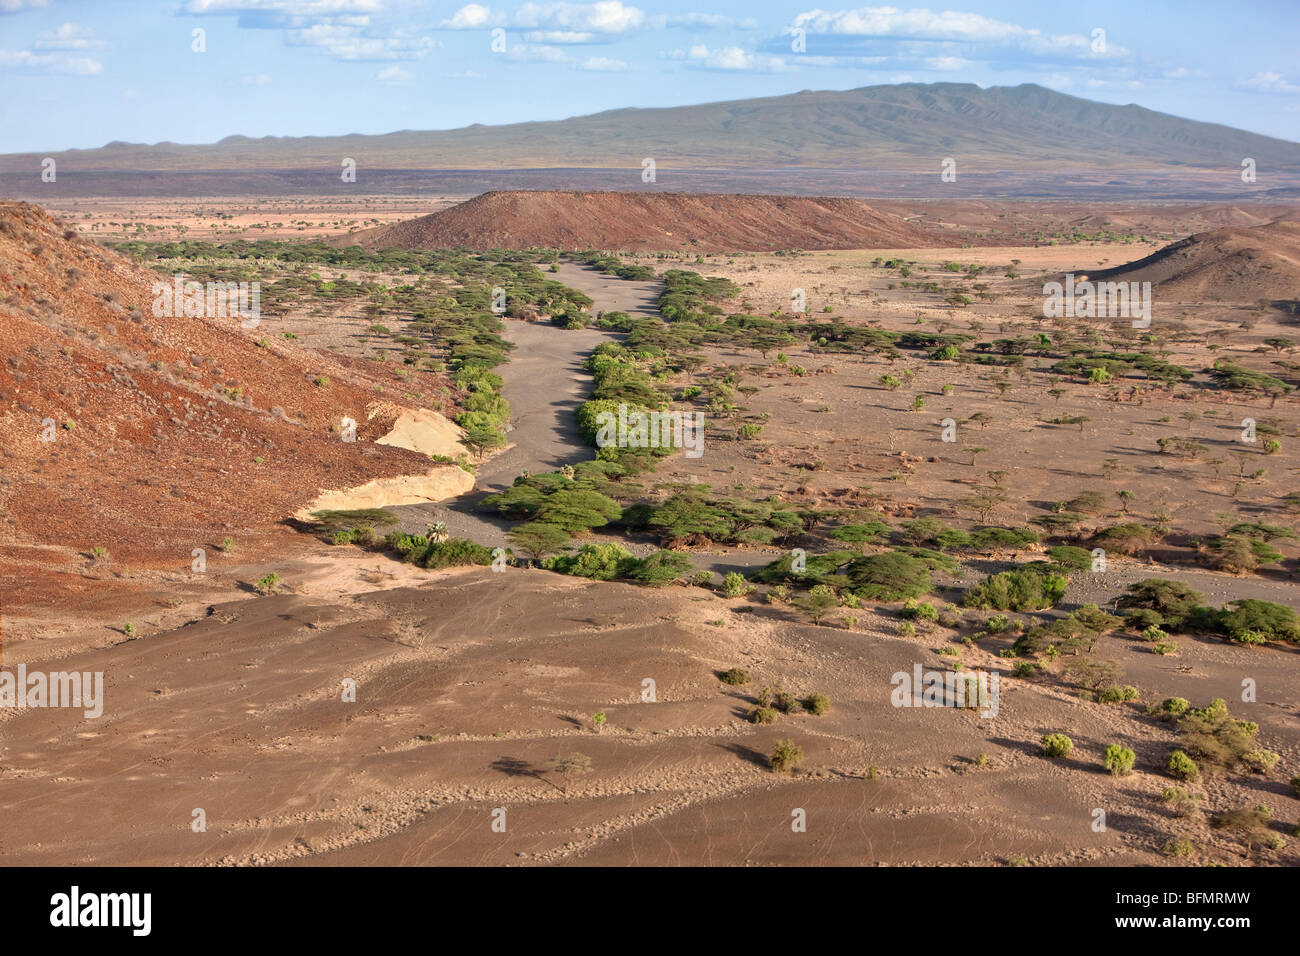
[
  {"x": 153, "y": 436},
  {"x": 646, "y": 220},
  {"x": 1234, "y": 264},
  {"x": 905, "y": 127}
]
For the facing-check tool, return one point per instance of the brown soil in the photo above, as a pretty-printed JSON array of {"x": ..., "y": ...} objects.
[
  {"x": 611, "y": 220},
  {"x": 1243, "y": 265},
  {"x": 166, "y": 433}
]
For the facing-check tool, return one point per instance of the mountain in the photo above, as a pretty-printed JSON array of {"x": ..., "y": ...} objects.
[
  {"x": 908, "y": 126},
  {"x": 152, "y": 435},
  {"x": 656, "y": 221},
  {"x": 1236, "y": 264}
]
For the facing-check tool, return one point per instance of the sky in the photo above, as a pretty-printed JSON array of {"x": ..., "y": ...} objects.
[{"x": 81, "y": 73}]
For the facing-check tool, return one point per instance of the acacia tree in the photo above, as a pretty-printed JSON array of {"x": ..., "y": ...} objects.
[{"x": 538, "y": 538}]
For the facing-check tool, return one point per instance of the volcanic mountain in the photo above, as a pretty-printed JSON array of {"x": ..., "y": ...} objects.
[
  {"x": 151, "y": 436},
  {"x": 1235, "y": 264},
  {"x": 883, "y": 127},
  {"x": 649, "y": 220}
]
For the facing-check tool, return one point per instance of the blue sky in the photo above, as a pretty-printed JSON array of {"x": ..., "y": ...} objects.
[{"x": 80, "y": 73}]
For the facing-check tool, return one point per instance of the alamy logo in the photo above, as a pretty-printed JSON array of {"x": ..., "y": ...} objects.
[
  {"x": 103, "y": 909},
  {"x": 56, "y": 689},
  {"x": 213, "y": 300},
  {"x": 962, "y": 689},
  {"x": 1097, "y": 300},
  {"x": 641, "y": 429}
]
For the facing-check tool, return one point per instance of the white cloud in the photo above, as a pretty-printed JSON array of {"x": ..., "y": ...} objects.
[
  {"x": 558, "y": 36},
  {"x": 947, "y": 63},
  {"x": 349, "y": 42},
  {"x": 16, "y": 6},
  {"x": 730, "y": 59},
  {"x": 256, "y": 79},
  {"x": 1269, "y": 83},
  {"x": 705, "y": 21},
  {"x": 473, "y": 17},
  {"x": 556, "y": 22},
  {"x": 50, "y": 63},
  {"x": 290, "y": 8},
  {"x": 607, "y": 16},
  {"x": 950, "y": 27},
  {"x": 69, "y": 36},
  {"x": 523, "y": 53},
  {"x": 604, "y": 64},
  {"x": 395, "y": 76}
]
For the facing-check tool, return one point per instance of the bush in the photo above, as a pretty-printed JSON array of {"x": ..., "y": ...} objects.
[
  {"x": 539, "y": 538},
  {"x": 1176, "y": 706},
  {"x": 1070, "y": 557},
  {"x": 785, "y": 702},
  {"x": 453, "y": 552},
  {"x": 734, "y": 585},
  {"x": 600, "y": 562},
  {"x": 816, "y": 703},
  {"x": 818, "y": 602},
  {"x": 660, "y": 568},
  {"x": 785, "y": 757},
  {"x": 763, "y": 715},
  {"x": 1119, "y": 760},
  {"x": 735, "y": 677},
  {"x": 1173, "y": 606},
  {"x": 1260, "y": 761},
  {"x": 1182, "y": 766},
  {"x": 1029, "y": 588},
  {"x": 269, "y": 584},
  {"x": 1057, "y": 745},
  {"x": 892, "y": 576},
  {"x": 1251, "y": 619},
  {"x": 1114, "y": 695},
  {"x": 914, "y": 611},
  {"x": 1180, "y": 801}
]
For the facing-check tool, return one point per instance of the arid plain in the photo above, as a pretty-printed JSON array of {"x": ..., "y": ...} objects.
[{"x": 517, "y": 695}]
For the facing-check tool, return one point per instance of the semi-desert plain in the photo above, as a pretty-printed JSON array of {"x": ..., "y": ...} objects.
[{"x": 786, "y": 501}]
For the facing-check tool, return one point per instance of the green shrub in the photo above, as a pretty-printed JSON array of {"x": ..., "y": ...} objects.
[
  {"x": 1260, "y": 761},
  {"x": 1057, "y": 745},
  {"x": 734, "y": 585},
  {"x": 785, "y": 702},
  {"x": 1174, "y": 606},
  {"x": 600, "y": 562},
  {"x": 816, "y": 703},
  {"x": 786, "y": 756},
  {"x": 1114, "y": 694},
  {"x": 1029, "y": 588},
  {"x": 818, "y": 602},
  {"x": 914, "y": 611},
  {"x": 735, "y": 677},
  {"x": 1182, "y": 766},
  {"x": 453, "y": 552},
  {"x": 661, "y": 568},
  {"x": 1070, "y": 557},
  {"x": 763, "y": 715},
  {"x": 1119, "y": 760},
  {"x": 891, "y": 576},
  {"x": 1251, "y": 619}
]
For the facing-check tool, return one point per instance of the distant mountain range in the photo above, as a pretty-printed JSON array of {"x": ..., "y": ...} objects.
[{"x": 910, "y": 128}]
